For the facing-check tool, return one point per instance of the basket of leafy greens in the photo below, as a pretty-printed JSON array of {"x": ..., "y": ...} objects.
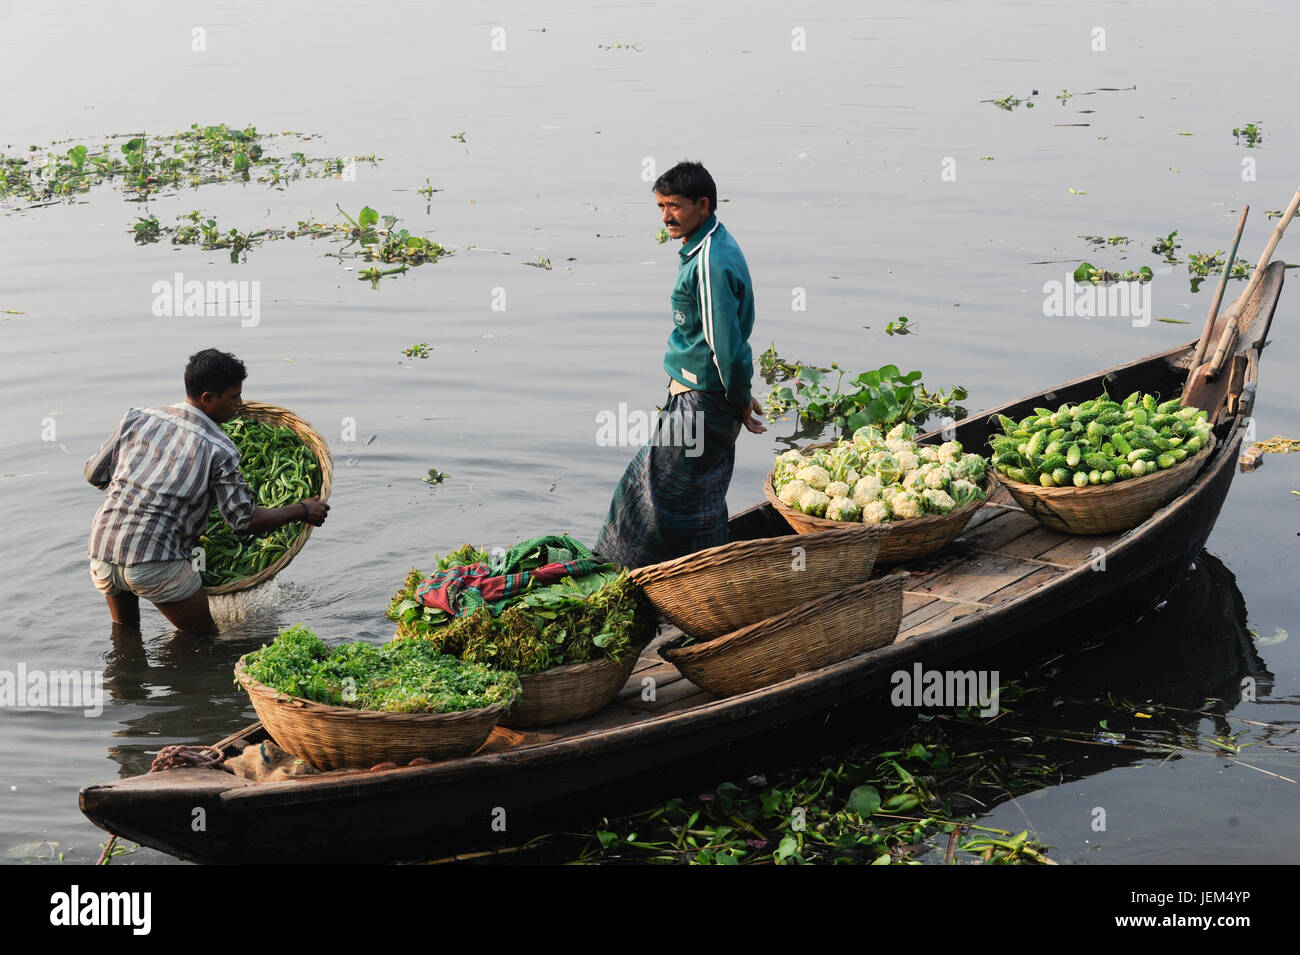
[
  {"x": 360, "y": 703},
  {"x": 573, "y": 643}
]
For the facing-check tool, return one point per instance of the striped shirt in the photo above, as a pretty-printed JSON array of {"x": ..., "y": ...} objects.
[{"x": 164, "y": 468}]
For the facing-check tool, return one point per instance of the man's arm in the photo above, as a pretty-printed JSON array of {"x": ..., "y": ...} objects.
[
  {"x": 99, "y": 469},
  {"x": 720, "y": 301},
  {"x": 235, "y": 501},
  {"x": 720, "y": 305},
  {"x": 234, "y": 496}
]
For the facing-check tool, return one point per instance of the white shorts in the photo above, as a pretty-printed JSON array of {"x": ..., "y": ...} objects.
[{"x": 158, "y": 581}]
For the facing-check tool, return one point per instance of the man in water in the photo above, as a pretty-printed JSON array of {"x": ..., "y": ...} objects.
[
  {"x": 672, "y": 500},
  {"x": 163, "y": 468}
]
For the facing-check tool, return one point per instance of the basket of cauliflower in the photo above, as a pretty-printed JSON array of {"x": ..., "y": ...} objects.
[{"x": 925, "y": 493}]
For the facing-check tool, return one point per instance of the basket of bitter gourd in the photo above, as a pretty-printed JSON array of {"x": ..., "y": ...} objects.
[
  {"x": 284, "y": 460},
  {"x": 1101, "y": 466},
  {"x": 924, "y": 493}
]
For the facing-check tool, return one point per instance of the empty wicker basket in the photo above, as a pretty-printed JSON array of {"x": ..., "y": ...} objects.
[
  {"x": 722, "y": 589},
  {"x": 813, "y": 635}
]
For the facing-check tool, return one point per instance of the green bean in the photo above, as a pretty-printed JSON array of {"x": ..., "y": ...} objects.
[{"x": 281, "y": 470}]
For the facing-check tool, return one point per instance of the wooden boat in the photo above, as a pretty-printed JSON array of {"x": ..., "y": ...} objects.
[{"x": 1007, "y": 576}]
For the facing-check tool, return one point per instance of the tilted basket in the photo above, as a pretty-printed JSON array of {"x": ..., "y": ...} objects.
[
  {"x": 721, "y": 589},
  {"x": 273, "y": 414},
  {"x": 813, "y": 635}
]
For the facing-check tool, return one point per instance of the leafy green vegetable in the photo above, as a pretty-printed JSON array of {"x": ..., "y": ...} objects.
[
  {"x": 576, "y": 620},
  {"x": 406, "y": 676}
]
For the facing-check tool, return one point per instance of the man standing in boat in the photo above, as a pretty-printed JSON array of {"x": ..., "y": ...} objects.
[
  {"x": 163, "y": 470},
  {"x": 672, "y": 500}
]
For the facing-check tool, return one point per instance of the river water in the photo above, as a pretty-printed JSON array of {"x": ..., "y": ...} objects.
[{"x": 862, "y": 171}]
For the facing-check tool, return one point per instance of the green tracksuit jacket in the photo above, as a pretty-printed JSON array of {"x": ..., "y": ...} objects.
[{"x": 713, "y": 314}]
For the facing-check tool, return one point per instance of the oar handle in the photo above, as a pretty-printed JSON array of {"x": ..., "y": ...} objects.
[
  {"x": 1256, "y": 277},
  {"x": 1204, "y": 344}
]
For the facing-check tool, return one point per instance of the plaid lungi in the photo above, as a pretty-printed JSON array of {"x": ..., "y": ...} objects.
[{"x": 672, "y": 500}]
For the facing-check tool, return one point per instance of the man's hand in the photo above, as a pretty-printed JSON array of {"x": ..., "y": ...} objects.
[
  {"x": 317, "y": 511},
  {"x": 749, "y": 418}
]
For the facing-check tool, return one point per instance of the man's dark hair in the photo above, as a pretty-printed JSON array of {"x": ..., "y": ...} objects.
[
  {"x": 689, "y": 179},
  {"x": 212, "y": 370}
]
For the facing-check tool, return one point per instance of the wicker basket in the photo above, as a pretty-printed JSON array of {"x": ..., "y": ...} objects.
[
  {"x": 1107, "y": 508},
  {"x": 570, "y": 692},
  {"x": 342, "y": 737},
  {"x": 722, "y": 589},
  {"x": 813, "y": 635},
  {"x": 272, "y": 414},
  {"x": 907, "y": 540}
]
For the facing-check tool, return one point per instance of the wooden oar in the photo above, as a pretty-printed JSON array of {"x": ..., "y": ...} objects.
[
  {"x": 1206, "y": 388},
  {"x": 1203, "y": 345}
]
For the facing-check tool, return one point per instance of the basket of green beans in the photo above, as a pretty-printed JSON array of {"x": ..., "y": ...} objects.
[{"x": 284, "y": 460}]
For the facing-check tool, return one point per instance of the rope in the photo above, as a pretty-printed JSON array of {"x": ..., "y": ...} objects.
[{"x": 172, "y": 757}]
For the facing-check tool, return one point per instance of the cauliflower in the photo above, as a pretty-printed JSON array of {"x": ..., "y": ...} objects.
[
  {"x": 972, "y": 467},
  {"x": 888, "y": 469},
  {"x": 792, "y": 455},
  {"x": 815, "y": 476},
  {"x": 907, "y": 460},
  {"x": 875, "y": 512},
  {"x": 868, "y": 436},
  {"x": 791, "y": 493},
  {"x": 869, "y": 485},
  {"x": 837, "y": 489},
  {"x": 950, "y": 452},
  {"x": 843, "y": 509},
  {"x": 939, "y": 478},
  {"x": 906, "y": 505},
  {"x": 894, "y": 445},
  {"x": 938, "y": 501},
  {"x": 913, "y": 480},
  {"x": 782, "y": 474},
  {"x": 814, "y": 503},
  {"x": 964, "y": 492},
  {"x": 902, "y": 430},
  {"x": 928, "y": 452},
  {"x": 851, "y": 477}
]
